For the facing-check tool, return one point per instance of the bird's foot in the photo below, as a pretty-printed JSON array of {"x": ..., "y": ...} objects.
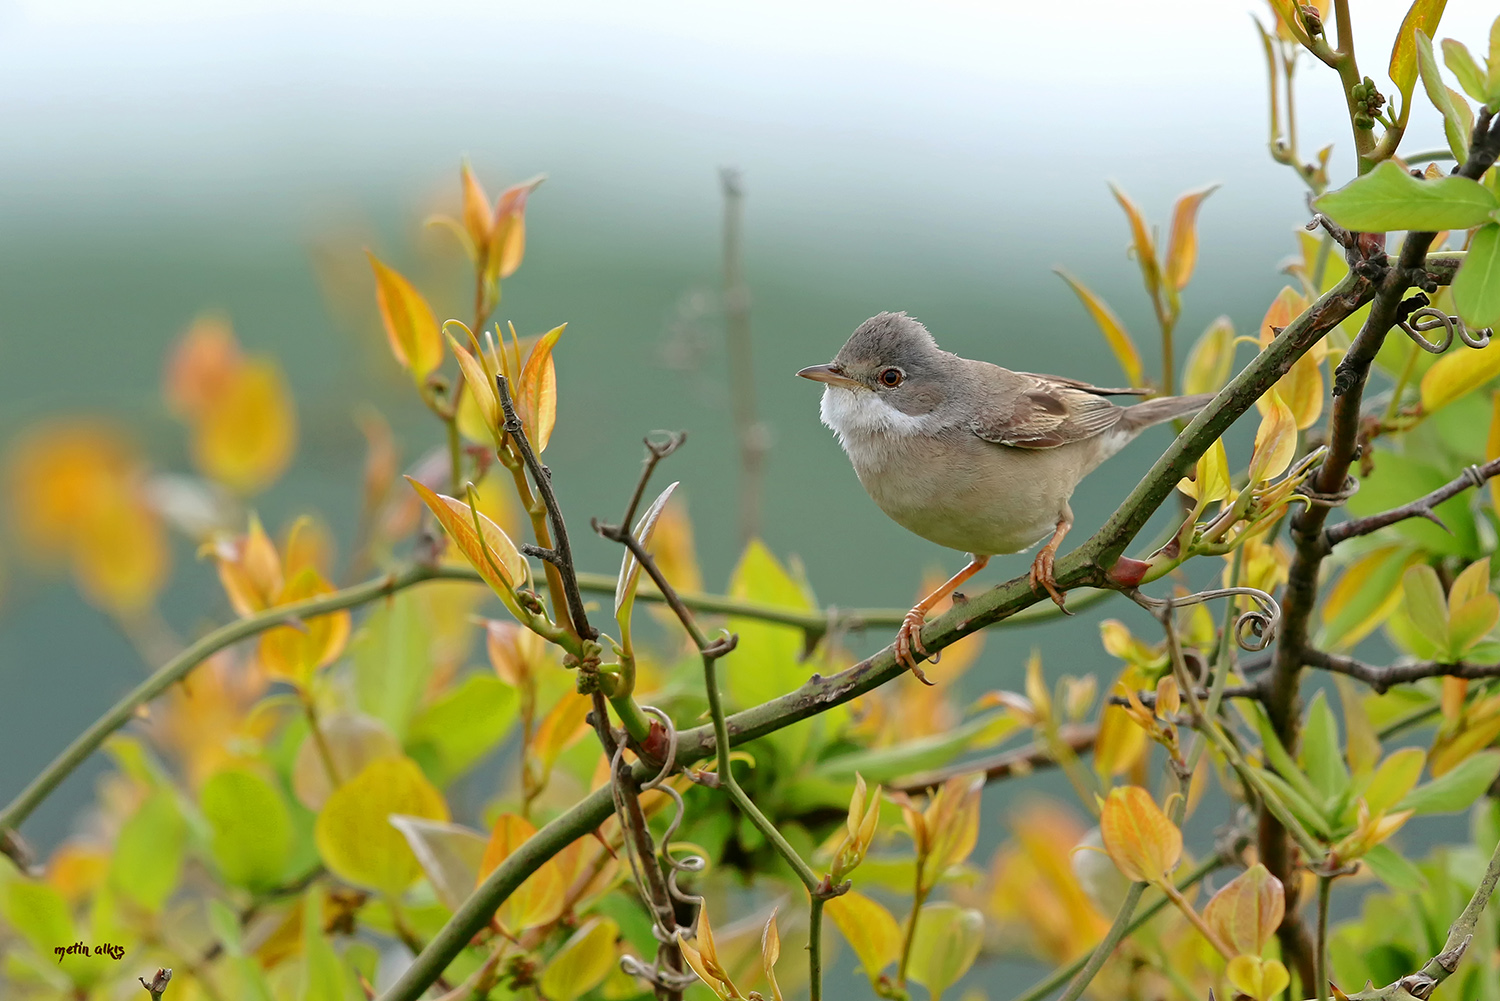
[
  {"x": 909, "y": 639},
  {"x": 1041, "y": 577}
]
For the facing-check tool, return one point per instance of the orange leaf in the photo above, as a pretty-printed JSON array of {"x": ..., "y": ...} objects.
[
  {"x": 249, "y": 569},
  {"x": 200, "y": 366},
  {"x": 561, "y": 727},
  {"x": 538, "y": 390},
  {"x": 246, "y": 433},
  {"x": 1182, "y": 246},
  {"x": 409, "y": 323},
  {"x": 1145, "y": 247},
  {"x": 481, "y": 386},
  {"x": 121, "y": 558},
  {"x": 509, "y": 232},
  {"x": 1275, "y": 441},
  {"x": 1143, "y": 842},
  {"x": 1248, "y": 910},
  {"x": 294, "y": 652},
  {"x": 477, "y": 219},
  {"x": 537, "y": 901},
  {"x": 1115, "y": 334},
  {"x": 495, "y": 557}
]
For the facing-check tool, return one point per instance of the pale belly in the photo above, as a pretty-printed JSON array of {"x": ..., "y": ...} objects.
[{"x": 972, "y": 495}]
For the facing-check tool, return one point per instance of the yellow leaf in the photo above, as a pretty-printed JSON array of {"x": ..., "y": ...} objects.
[
  {"x": 1143, "y": 843},
  {"x": 538, "y": 391},
  {"x": 1423, "y": 16},
  {"x": 1182, "y": 246},
  {"x": 1275, "y": 441},
  {"x": 869, "y": 928},
  {"x": 244, "y": 437},
  {"x": 540, "y": 899},
  {"x": 583, "y": 961},
  {"x": 1211, "y": 476},
  {"x": 944, "y": 945},
  {"x": 409, "y": 323},
  {"x": 1210, "y": 361},
  {"x": 1145, "y": 247},
  {"x": 121, "y": 557},
  {"x": 477, "y": 218},
  {"x": 1115, "y": 334},
  {"x": 1460, "y": 371},
  {"x": 1395, "y": 777},
  {"x": 509, "y": 231},
  {"x": 1302, "y": 387},
  {"x": 353, "y": 742},
  {"x": 561, "y": 727},
  {"x": 295, "y": 651},
  {"x": 770, "y": 952},
  {"x": 1492, "y": 447},
  {"x": 354, "y": 836},
  {"x": 1352, "y": 592},
  {"x": 481, "y": 385},
  {"x": 200, "y": 366},
  {"x": 496, "y": 558},
  {"x": 1120, "y": 744},
  {"x": 1248, "y": 910},
  {"x": 1260, "y": 979}
]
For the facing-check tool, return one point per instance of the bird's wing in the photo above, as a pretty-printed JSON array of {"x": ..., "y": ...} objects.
[
  {"x": 1086, "y": 387},
  {"x": 1039, "y": 411}
]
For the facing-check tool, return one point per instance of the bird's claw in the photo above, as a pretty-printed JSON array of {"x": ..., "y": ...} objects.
[
  {"x": 1041, "y": 577},
  {"x": 909, "y": 639}
]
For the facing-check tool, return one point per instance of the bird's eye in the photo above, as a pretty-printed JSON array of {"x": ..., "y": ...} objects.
[{"x": 891, "y": 377}]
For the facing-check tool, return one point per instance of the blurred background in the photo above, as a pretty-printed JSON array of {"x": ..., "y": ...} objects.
[{"x": 167, "y": 158}]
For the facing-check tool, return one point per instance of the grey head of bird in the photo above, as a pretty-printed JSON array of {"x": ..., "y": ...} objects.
[{"x": 893, "y": 357}]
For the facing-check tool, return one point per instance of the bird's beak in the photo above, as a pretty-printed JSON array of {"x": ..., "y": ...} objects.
[{"x": 831, "y": 374}]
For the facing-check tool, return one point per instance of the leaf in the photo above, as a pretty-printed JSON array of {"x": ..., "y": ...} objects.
[
  {"x": 1395, "y": 777},
  {"x": 770, "y": 952},
  {"x": 449, "y": 855},
  {"x": 1260, "y": 979},
  {"x": 630, "y": 569},
  {"x": 1422, "y": 16},
  {"x": 1393, "y": 869},
  {"x": 1456, "y": 790},
  {"x": 561, "y": 728},
  {"x": 353, "y": 832},
  {"x": 39, "y": 913},
  {"x": 1275, "y": 441},
  {"x": 1476, "y": 287},
  {"x": 1182, "y": 245},
  {"x": 508, "y": 245},
  {"x": 583, "y": 961},
  {"x": 1456, "y": 128},
  {"x": 251, "y": 828},
  {"x": 322, "y": 975},
  {"x": 538, "y": 900},
  {"x": 460, "y": 726},
  {"x": 1211, "y": 476},
  {"x": 1248, "y": 910},
  {"x": 1321, "y": 755},
  {"x": 1472, "y": 609},
  {"x": 495, "y": 557},
  {"x": 1388, "y": 198},
  {"x": 477, "y": 218},
  {"x": 538, "y": 391},
  {"x": 353, "y": 741},
  {"x": 1399, "y": 478},
  {"x": 245, "y": 436},
  {"x": 1145, "y": 248},
  {"x": 295, "y": 651},
  {"x": 481, "y": 386},
  {"x": 410, "y": 326},
  {"x": 149, "y": 852},
  {"x": 1144, "y": 844},
  {"x": 944, "y": 946},
  {"x": 1460, "y": 371},
  {"x": 391, "y": 661},
  {"x": 869, "y": 929},
  {"x": 1364, "y": 596},
  {"x": 1115, "y": 334},
  {"x": 1462, "y": 65},
  {"x": 1425, "y": 603},
  {"x": 1211, "y": 359}
]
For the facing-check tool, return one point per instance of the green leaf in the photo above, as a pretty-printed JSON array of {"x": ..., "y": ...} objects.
[
  {"x": 1395, "y": 777},
  {"x": 148, "y": 854},
  {"x": 40, "y": 914},
  {"x": 1476, "y": 287},
  {"x": 1321, "y": 757},
  {"x": 1388, "y": 198},
  {"x": 1462, "y": 65},
  {"x": 1400, "y": 478},
  {"x": 869, "y": 929},
  {"x": 252, "y": 828},
  {"x": 1422, "y": 16},
  {"x": 1425, "y": 603},
  {"x": 352, "y": 740},
  {"x": 582, "y": 963},
  {"x": 391, "y": 661},
  {"x": 462, "y": 725},
  {"x": 1394, "y": 869},
  {"x": 1442, "y": 98},
  {"x": 322, "y": 975},
  {"x": 1457, "y": 789},
  {"x": 945, "y": 945},
  {"x": 767, "y": 661},
  {"x": 353, "y": 830}
]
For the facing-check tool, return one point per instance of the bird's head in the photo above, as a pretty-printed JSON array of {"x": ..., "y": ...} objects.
[{"x": 892, "y": 356}]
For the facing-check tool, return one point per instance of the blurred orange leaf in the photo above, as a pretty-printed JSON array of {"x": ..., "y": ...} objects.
[
  {"x": 409, "y": 323},
  {"x": 537, "y": 901},
  {"x": 477, "y": 219},
  {"x": 1247, "y": 911},
  {"x": 245, "y": 435},
  {"x": 538, "y": 390},
  {"x": 509, "y": 231},
  {"x": 294, "y": 652},
  {"x": 200, "y": 366},
  {"x": 1145, "y": 246},
  {"x": 1182, "y": 245},
  {"x": 1143, "y": 842}
]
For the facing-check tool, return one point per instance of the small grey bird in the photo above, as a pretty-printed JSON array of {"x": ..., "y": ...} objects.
[{"x": 970, "y": 455}]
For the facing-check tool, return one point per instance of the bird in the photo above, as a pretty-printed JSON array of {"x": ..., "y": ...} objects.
[{"x": 969, "y": 455}]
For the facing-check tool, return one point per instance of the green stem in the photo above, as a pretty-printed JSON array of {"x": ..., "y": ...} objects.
[
  {"x": 815, "y": 948},
  {"x": 455, "y": 447},
  {"x": 918, "y": 899},
  {"x": 1320, "y": 957},
  {"x": 324, "y": 752},
  {"x": 635, "y": 722}
]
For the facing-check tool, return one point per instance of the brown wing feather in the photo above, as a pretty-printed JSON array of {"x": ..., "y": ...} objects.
[
  {"x": 1086, "y": 387},
  {"x": 1043, "y": 412}
]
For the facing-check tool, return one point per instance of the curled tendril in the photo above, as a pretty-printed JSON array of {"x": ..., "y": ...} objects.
[
  {"x": 1253, "y": 629},
  {"x": 691, "y": 863},
  {"x": 1430, "y": 318}
]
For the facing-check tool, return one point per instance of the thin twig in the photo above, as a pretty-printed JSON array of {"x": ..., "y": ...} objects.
[
  {"x": 1422, "y": 507},
  {"x": 997, "y": 767},
  {"x": 1382, "y": 678}
]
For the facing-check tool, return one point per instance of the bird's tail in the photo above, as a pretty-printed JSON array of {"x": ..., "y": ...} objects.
[{"x": 1143, "y": 415}]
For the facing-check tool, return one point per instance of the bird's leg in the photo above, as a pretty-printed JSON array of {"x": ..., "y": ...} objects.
[
  {"x": 909, "y": 636},
  {"x": 1041, "y": 567}
]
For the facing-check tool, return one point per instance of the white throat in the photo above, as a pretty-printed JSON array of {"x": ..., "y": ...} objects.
[{"x": 862, "y": 420}]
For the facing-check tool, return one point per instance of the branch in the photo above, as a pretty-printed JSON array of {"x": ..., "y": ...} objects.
[
  {"x": 1382, "y": 678},
  {"x": 1422, "y": 507},
  {"x": 998, "y": 767}
]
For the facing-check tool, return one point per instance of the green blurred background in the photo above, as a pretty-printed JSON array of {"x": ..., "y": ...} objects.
[{"x": 941, "y": 158}]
